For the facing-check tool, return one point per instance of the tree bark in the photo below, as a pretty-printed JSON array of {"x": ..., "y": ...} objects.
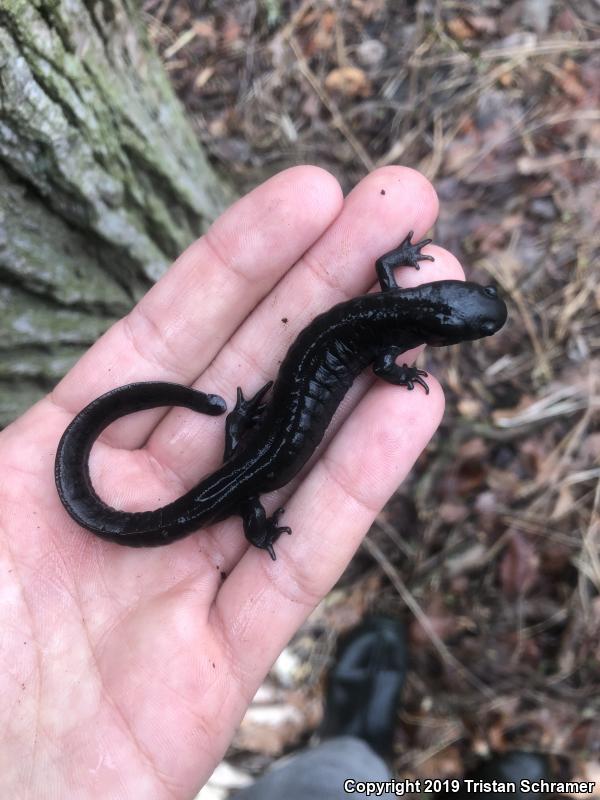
[{"x": 102, "y": 182}]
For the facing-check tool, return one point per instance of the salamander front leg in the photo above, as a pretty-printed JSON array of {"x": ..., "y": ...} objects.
[
  {"x": 260, "y": 530},
  {"x": 407, "y": 254},
  {"x": 243, "y": 418},
  {"x": 385, "y": 367}
]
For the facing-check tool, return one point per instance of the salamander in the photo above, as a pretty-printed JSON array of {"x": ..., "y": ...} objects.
[{"x": 268, "y": 441}]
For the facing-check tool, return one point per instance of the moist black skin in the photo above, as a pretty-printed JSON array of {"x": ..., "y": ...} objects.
[{"x": 267, "y": 443}]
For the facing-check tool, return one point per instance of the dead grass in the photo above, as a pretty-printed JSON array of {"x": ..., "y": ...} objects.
[{"x": 490, "y": 551}]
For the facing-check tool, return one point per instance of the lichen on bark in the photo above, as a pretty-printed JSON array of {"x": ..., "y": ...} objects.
[{"x": 103, "y": 182}]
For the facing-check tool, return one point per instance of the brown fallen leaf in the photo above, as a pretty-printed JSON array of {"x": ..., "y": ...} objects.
[
  {"x": 440, "y": 621},
  {"x": 324, "y": 36},
  {"x": 369, "y": 8},
  {"x": 482, "y": 23},
  {"x": 459, "y": 29},
  {"x": 564, "y": 504},
  {"x": 232, "y": 32},
  {"x": 519, "y": 568},
  {"x": 349, "y": 81}
]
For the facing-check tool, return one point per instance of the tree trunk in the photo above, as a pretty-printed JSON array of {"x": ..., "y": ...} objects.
[{"x": 102, "y": 182}]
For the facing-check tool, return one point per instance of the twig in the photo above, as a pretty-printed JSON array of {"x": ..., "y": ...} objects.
[
  {"x": 590, "y": 543},
  {"x": 506, "y": 279},
  {"x": 495, "y": 53},
  {"x": 563, "y": 401},
  {"x": 336, "y": 116}
]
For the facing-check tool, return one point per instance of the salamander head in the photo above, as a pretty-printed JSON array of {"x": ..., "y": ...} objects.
[{"x": 456, "y": 311}]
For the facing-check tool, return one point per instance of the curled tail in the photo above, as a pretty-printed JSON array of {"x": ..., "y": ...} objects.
[{"x": 72, "y": 474}]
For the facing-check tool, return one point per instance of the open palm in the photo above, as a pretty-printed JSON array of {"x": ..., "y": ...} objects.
[{"x": 125, "y": 671}]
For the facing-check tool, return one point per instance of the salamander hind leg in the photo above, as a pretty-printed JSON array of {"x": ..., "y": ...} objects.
[
  {"x": 385, "y": 367},
  {"x": 407, "y": 254},
  {"x": 260, "y": 530},
  {"x": 243, "y": 418}
]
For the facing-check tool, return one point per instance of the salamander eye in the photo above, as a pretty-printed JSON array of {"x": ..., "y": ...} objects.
[
  {"x": 491, "y": 291},
  {"x": 489, "y": 327}
]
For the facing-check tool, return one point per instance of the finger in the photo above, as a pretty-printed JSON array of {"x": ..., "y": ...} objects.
[
  {"x": 338, "y": 266},
  {"x": 329, "y": 515},
  {"x": 175, "y": 331}
]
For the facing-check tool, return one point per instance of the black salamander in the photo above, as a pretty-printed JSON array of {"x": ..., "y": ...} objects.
[{"x": 267, "y": 443}]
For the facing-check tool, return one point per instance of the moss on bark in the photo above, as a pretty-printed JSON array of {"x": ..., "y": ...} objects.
[{"x": 103, "y": 182}]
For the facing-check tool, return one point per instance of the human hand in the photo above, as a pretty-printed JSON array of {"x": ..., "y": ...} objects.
[{"x": 125, "y": 671}]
